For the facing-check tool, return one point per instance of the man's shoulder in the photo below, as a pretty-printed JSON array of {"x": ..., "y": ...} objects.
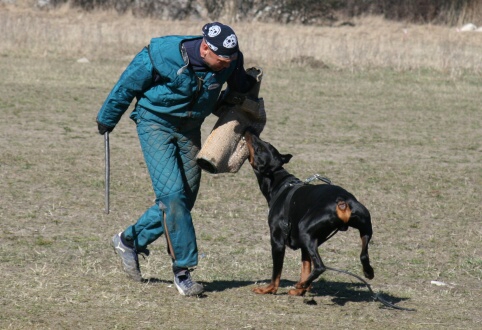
[
  {"x": 172, "y": 40},
  {"x": 167, "y": 50}
]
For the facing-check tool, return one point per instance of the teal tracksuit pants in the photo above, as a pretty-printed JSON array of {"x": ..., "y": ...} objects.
[{"x": 170, "y": 146}]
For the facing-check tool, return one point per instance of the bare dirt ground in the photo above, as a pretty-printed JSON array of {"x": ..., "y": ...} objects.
[{"x": 407, "y": 143}]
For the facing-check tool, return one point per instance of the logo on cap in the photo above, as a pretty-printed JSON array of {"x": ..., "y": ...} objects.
[
  {"x": 230, "y": 41},
  {"x": 214, "y": 31}
]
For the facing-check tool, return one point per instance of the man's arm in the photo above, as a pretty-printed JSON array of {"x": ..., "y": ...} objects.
[{"x": 135, "y": 79}]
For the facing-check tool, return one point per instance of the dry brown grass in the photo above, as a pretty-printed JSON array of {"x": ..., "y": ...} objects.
[
  {"x": 407, "y": 143},
  {"x": 372, "y": 43}
]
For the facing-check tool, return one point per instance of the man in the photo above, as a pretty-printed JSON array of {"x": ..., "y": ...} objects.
[{"x": 176, "y": 81}]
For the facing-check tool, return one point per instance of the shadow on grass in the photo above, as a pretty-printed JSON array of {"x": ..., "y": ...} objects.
[
  {"x": 340, "y": 292},
  {"x": 154, "y": 280},
  {"x": 343, "y": 292},
  {"x": 218, "y": 286}
]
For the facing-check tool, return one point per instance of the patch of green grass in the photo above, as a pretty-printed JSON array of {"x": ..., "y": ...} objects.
[{"x": 42, "y": 241}]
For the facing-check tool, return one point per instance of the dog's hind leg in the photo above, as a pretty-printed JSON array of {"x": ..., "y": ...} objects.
[
  {"x": 278, "y": 255},
  {"x": 305, "y": 272},
  {"x": 365, "y": 260}
]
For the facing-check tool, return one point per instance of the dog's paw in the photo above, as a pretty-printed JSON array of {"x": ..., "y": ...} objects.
[
  {"x": 300, "y": 285},
  {"x": 369, "y": 273},
  {"x": 297, "y": 292},
  {"x": 269, "y": 289}
]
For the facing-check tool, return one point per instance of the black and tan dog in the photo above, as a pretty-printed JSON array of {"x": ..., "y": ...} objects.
[{"x": 303, "y": 216}]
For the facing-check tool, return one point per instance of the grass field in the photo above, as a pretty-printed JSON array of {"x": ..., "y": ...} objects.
[{"x": 404, "y": 138}]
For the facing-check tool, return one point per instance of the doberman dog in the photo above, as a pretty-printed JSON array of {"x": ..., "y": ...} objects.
[{"x": 303, "y": 216}]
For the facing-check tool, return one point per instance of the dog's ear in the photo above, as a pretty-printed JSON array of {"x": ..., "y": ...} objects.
[{"x": 286, "y": 158}]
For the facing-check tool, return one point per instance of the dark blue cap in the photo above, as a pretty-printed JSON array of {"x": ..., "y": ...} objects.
[{"x": 221, "y": 39}]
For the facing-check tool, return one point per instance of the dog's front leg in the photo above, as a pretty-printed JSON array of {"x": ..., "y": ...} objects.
[{"x": 278, "y": 255}]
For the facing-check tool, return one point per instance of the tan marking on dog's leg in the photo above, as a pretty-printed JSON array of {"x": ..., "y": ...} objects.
[
  {"x": 270, "y": 288},
  {"x": 300, "y": 288},
  {"x": 343, "y": 211},
  {"x": 305, "y": 272}
]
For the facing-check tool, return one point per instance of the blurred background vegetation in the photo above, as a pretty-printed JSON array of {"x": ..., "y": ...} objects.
[{"x": 309, "y": 12}]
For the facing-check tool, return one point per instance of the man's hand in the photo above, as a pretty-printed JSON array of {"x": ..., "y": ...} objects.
[{"x": 103, "y": 128}]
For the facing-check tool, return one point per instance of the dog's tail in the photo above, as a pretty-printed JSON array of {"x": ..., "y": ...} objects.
[{"x": 355, "y": 214}]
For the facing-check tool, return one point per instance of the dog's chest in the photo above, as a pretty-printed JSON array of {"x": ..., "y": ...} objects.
[{"x": 280, "y": 210}]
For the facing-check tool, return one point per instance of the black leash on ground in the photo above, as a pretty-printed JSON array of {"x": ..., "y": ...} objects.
[{"x": 375, "y": 296}]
